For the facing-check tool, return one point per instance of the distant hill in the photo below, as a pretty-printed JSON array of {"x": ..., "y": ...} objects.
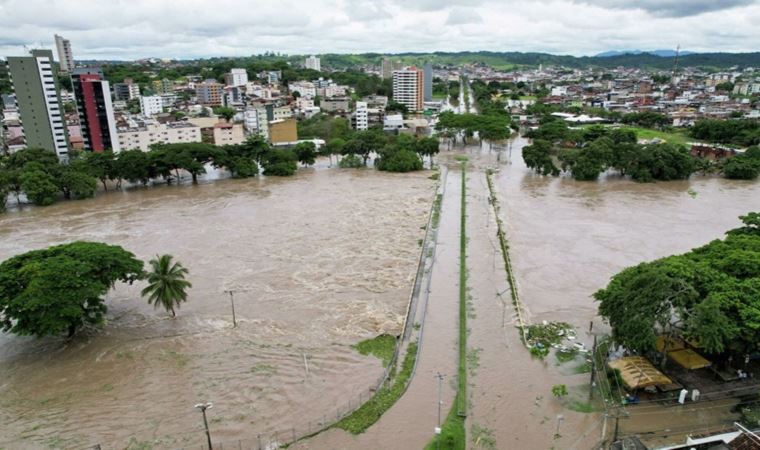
[
  {"x": 512, "y": 60},
  {"x": 663, "y": 53}
]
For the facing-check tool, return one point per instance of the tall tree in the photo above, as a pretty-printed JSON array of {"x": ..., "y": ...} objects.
[
  {"x": 167, "y": 286},
  {"x": 60, "y": 289}
]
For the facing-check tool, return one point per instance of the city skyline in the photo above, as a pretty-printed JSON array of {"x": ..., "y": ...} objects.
[{"x": 202, "y": 29}]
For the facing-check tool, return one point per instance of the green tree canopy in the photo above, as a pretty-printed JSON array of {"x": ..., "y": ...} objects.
[
  {"x": 709, "y": 296},
  {"x": 59, "y": 289}
]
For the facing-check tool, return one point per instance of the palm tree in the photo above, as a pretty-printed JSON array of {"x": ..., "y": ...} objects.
[{"x": 166, "y": 284}]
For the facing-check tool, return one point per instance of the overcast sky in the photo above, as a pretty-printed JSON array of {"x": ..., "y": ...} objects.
[{"x": 132, "y": 29}]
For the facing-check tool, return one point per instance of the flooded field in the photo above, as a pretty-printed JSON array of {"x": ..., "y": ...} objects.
[
  {"x": 568, "y": 237},
  {"x": 317, "y": 262}
]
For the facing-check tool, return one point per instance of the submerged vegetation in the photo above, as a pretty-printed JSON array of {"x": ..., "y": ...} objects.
[
  {"x": 371, "y": 411},
  {"x": 708, "y": 295}
]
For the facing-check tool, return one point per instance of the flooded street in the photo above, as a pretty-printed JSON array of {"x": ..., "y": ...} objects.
[{"x": 317, "y": 262}]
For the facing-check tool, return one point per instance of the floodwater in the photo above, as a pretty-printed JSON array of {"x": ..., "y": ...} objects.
[
  {"x": 317, "y": 261},
  {"x": 569, "y": 237}
]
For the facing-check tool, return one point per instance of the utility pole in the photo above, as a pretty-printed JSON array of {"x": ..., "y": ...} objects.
[
  {"x": 439, "y": 376},
  {"x": 232, "y": 302},
  {"x": 203, "y": 407}
]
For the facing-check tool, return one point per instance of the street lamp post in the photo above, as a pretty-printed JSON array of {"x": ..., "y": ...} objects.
[
  {"x": 203, "y": 407},
  {"x": 438, "y": 428}
]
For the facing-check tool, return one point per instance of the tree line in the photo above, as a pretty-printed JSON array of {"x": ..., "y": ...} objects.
[
  {"x": 60, "y": 289},
  {"x": 708, "y": 295},
  {"x": 44, "y": 178},
  {"x": 488, "y": 127},
  {"x": 739, "y": 132},
  {"x": 588, "y": 152}
]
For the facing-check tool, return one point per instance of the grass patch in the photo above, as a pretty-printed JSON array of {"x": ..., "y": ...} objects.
[
  {"x": 263, "y": 369},
  {"x": 452, "y": 435},
  {"x": 462, "y": 372},
  {"x": 461, "y": 158},
  {"x": 381, "y": 347},
  {"x": 566, "y": 355},
  {"x": 584, "y": 367},
  {"x": 581, "y": 407},
  {"x": 370, "y": 412},
  {"x": 437, "y": 210},
  {"x": 482, "y": 437}
]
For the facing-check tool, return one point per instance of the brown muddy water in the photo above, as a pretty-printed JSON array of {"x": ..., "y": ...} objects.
[
  {"x": 568, "y": 237},
  {"x": 318, "y": 262}
]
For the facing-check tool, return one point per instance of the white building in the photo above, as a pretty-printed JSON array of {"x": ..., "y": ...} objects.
[
  {"x": 65, "y": 56},
  {"x": 305, "y": 89},
  {"x": 142, "y": 136},
  {"x": 255, "y": 121},
  {"x": 236, "y": 77},
  {"x": 151, "y": 105},
  {"x": 360, "y": 118},
  {"x": 408, "y": 88},
  {"x": 312, "y": 62},
  {"x": 393, "y": 122}
]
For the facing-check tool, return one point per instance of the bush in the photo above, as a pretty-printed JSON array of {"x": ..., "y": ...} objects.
[
  {"x": 351, "y": 162},
  {"x": 280, "y": 163},
  {"x": 402, "y": 160}
]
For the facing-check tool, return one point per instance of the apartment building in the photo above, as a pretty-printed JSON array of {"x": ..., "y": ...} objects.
[
  {"x": 126, "y": 90},
  {"x": 360, "y": 117},
  {"x": 38, "y": 101},
  {"x": 408, "y": 87},
  {"x": 312, "y": 62},
  {"x": 151, "y": 105},
  {"x": 210, "y": 93},
  {"x": 223, "y": 133},
  {"x": 236, "y": 77},
  {"x": 141, "y": 136},
  {"x": 65, "y": 56},
  {"x": 96, "y": 117}
]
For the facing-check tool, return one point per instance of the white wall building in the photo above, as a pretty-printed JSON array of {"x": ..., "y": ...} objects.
[
  {"x": 312, "y": 62},
  {"x": 142, "y": 137},
  {"x": 305, "y": 89},
  {"x": 236, "y": 77},
  {"x": 65, "y": 56},
  {"x": 360, "y": 119},
  {"x": 151, "y": 105},
  {"x": 255, "y": 121}
]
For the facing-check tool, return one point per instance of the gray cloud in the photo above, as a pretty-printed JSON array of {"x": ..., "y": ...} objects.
[
  {"x": 202, "y": 28},
  {"x": 671, "y": 8},
  {"x": 462, "y": 16}
]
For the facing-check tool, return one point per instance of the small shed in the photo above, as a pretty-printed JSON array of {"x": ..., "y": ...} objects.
[{"x": 637, "y": 372}]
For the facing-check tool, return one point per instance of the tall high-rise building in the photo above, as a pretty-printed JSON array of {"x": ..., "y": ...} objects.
[
  {"x": 408, "y": 86},
  {"x": 312, "y": 62},
  {"x": 388, "y": 66},
  {"x": 96, "y": 118},
  {"x": 39, "y": 102},
  {"x": 236, "y": 77},
  {"x": 428, "y": 69},
  {"x": 65, "y": 57}
]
